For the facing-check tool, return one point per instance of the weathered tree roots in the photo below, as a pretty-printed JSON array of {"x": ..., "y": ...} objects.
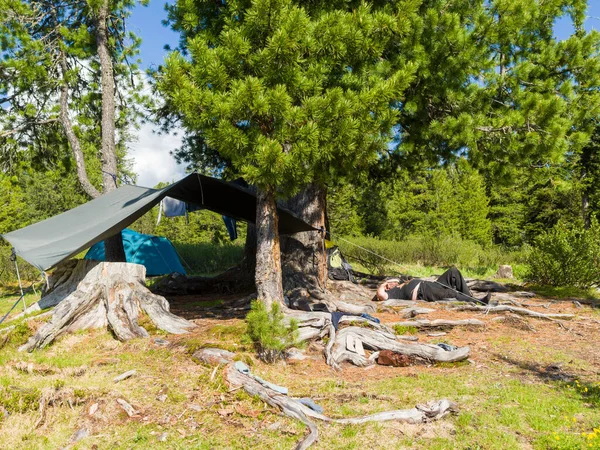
[
  {"x": 440, "y": 323},
  {"x": 293, "y": 408},
  {"x": 349, "y": 342},
  {"x": 110, "y": 295}
]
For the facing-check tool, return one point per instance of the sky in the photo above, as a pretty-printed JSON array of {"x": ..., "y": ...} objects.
[{"x": 151, "y": 152}]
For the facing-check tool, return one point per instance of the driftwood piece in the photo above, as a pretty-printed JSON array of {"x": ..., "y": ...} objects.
[
  {"x": 415, "y": 311},
  {"x": 377, "y": 340},
  {"x": 62, "y": 282},
  {"x": 125, "y": 375},
  {"x": 513, "y": 309},
  {"x": 126, "y": 407},
  {"x": 110, "y": 295},
  {"x": 293, "y": 408},
  {"x": 394, "y": 302},
  {"x": 440, "y": 323}
]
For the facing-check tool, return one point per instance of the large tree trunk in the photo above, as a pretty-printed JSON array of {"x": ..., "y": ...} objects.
[
  {"x": 268, "y": 255},
  {"x": 303, "y": 254},
  {"x": 113, "y": 246}
]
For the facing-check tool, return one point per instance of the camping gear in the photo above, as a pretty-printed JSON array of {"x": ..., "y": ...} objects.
[
  {"x": 47, "y": 243},
  {"x": 176, "y": 208},
  {"x": 390, "y": 358},
  {"x": 337, "y": 266},
  {"x": 156, "y": 253}
]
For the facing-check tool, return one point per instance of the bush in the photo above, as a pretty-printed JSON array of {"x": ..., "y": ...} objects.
[
  {"x": 268, "y": 331},
  {"x": 566, "y": 256},
  {"x": 424, "y": 250}
]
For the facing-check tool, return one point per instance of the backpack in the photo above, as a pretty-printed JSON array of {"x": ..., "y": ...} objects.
[{"x": 338, "y": 267}]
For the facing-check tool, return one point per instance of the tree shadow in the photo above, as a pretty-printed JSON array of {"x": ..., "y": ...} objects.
[
  {"x": 211, "y": 306},
  {"x": 551, "y": 372}
]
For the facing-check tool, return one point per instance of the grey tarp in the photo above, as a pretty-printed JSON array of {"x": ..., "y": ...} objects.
[{"x": 47, "y": 243}]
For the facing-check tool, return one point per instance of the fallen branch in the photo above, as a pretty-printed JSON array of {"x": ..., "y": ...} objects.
[
  {"x": 409, "y": 313},
  {"x": 377, "y": 340},
  {"x": 293, "y": 408},
  {"x": 513, "y": 309},
  {"x": 440, "y": 323}
]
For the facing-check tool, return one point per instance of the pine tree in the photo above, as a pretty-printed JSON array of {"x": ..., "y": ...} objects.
[
  {"x": 288, "y": 93},
  {"x": 59, "y": 65}
]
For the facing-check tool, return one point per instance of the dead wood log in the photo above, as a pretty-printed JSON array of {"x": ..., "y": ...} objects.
[
  {"x": 293, "y": 408},
  {"x": 513, "y": 309},
  {"x": 513, "y": 296},
  {"x": 440, "y": 323},
  {"x": 414, "y": 311},
  {"x": 377, "y": 340},
  {"x": 113, "y": 295},
  {"x": 395, "y": 302}
]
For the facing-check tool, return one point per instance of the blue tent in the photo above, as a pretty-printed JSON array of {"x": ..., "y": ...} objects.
[{"x": 155, "y": 252}]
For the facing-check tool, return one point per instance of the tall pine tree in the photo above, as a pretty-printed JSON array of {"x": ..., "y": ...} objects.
[{"x": 288, "y": 92}]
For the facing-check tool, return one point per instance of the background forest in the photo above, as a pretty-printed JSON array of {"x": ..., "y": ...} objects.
[{"x": 490, "y": 156}]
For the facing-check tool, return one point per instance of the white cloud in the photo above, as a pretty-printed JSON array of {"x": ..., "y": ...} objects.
[{"x": 152, "y": 160}]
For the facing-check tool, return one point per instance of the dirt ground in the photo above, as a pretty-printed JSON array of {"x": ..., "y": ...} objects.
[{"x": 577, "y": 337}]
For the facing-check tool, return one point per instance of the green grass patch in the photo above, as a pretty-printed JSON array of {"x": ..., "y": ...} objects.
[
  {"x": 208, "y": 258},
  {"x": 424, "y": 256},
  {"x": 564, "y": 292},
  {"x": 399, "y": 329},
  {"x": 19, "y": 400},
  {"x": 8, "y": 299}
]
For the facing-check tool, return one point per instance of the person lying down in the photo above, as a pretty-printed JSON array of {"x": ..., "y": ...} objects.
[{"x": 450, "y": 285}]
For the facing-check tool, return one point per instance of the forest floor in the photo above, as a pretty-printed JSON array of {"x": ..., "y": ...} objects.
[{"x": 528, "y": 384}]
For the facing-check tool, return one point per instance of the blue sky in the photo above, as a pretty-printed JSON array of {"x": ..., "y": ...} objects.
[{"x": 150, "y": 152}]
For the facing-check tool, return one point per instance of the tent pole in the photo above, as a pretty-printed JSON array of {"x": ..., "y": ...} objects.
[{"x": 13, "y": 256}]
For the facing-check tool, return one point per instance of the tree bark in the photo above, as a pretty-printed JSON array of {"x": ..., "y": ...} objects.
[
  {"x": 65, "y": 121},
  {"x": 268, "y": 254},
  {"x": 113, "y": 246},
  {"x": 303, "y": 254}
]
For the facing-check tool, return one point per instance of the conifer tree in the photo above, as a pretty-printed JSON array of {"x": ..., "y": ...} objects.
[
  {"x": 288, "y": 92},
  {"x": 66, "y": 73}
]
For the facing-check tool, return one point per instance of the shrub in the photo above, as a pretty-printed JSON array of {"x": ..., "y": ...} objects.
[
  {"x": 426, "y": 250},
  {"x": 269, "y": 332},
  {"x": 566, "y": 256}
]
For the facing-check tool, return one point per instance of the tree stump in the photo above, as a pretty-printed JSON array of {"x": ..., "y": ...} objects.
[
  {"x": 504, "y": 271},
  {"x": 110, "y": 295}
]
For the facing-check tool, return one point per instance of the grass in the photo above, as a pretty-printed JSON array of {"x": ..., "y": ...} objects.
[
  {"x": 9, "y": 297},
  {"x": 504, "y": 400},
  {"x": 565, "y": 292},
  {"x": 207, "y": 258},
  {"x": 501, "y": 405},
  {"x": 401, "y": 330}
]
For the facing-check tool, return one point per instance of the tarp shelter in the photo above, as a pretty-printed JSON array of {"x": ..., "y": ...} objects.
[
  {"x": 47, "y": 243},
  {"x": 155, "y": 252}
]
